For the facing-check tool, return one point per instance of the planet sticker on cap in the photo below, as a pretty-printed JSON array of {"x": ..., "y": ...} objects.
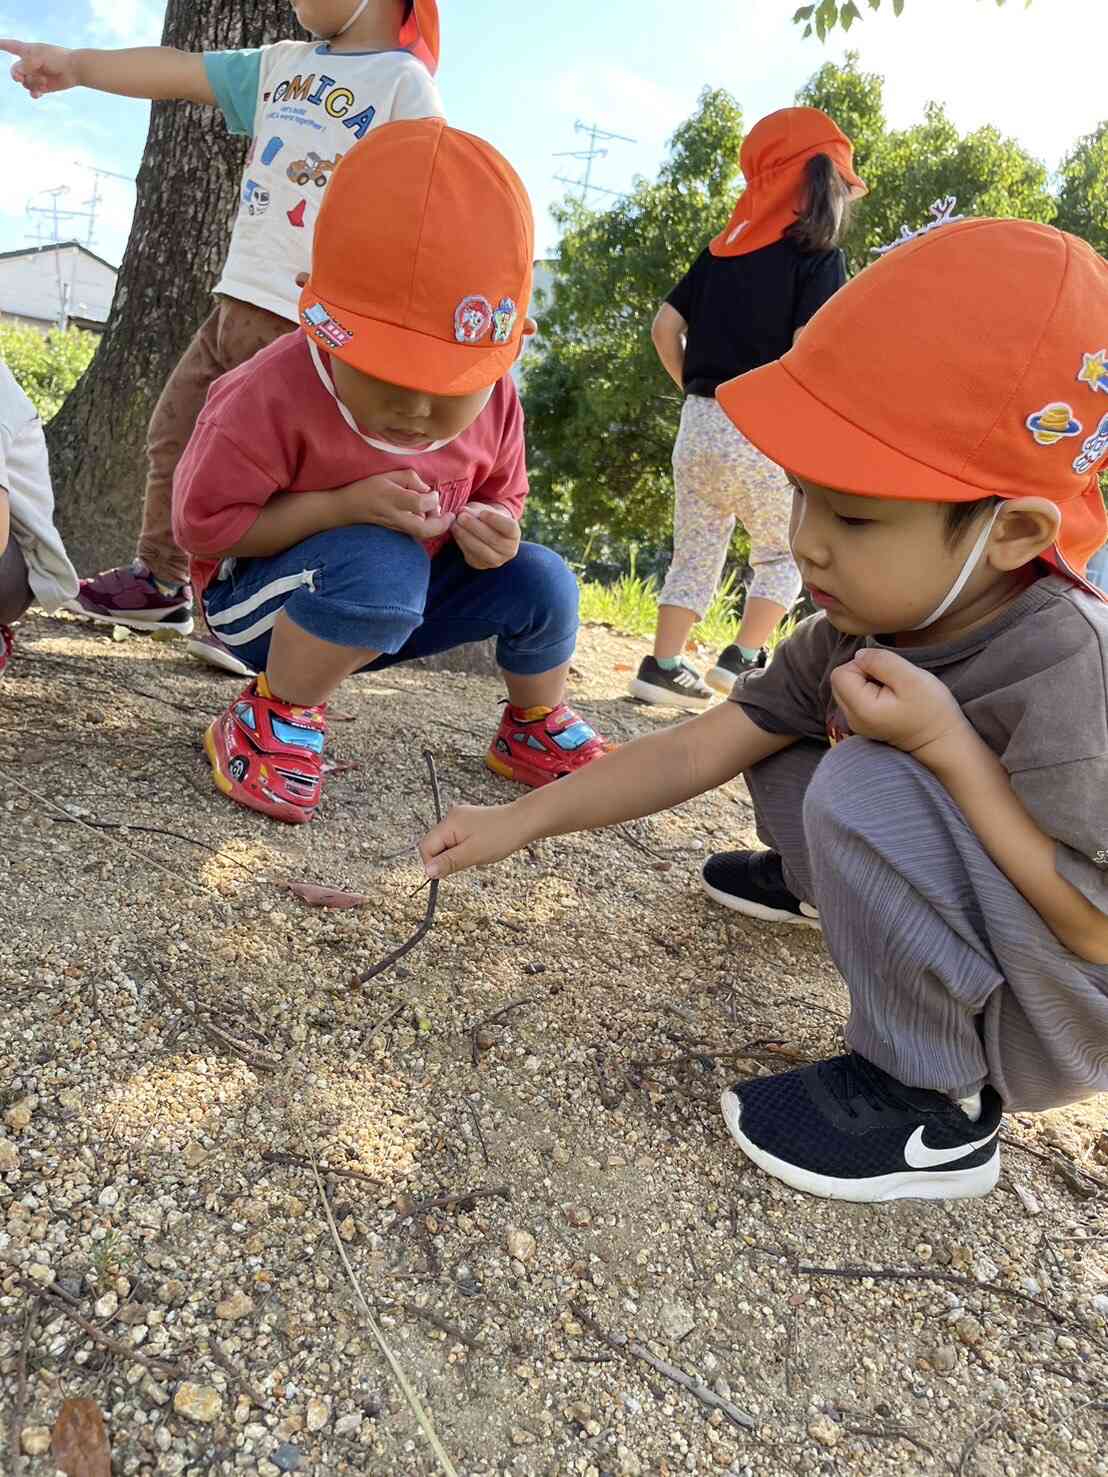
[{"x": 1052, "y": 423}]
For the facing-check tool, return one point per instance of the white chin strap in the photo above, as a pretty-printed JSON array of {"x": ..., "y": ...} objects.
[
  {"x": 358, "y": 13},
  {"x": 972, "y": 561}
]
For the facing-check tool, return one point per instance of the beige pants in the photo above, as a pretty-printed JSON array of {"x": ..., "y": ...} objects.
[{"x": 232, "y": 334}]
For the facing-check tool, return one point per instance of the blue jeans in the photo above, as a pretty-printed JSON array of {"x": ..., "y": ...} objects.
[{"x": 369, "y": 587}]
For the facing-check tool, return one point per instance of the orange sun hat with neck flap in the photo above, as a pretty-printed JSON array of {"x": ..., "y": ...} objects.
[
  {"x": 774, "y": 156},
  {"x": 969, "y": 362},
  {"x": 420, "y": 34}
]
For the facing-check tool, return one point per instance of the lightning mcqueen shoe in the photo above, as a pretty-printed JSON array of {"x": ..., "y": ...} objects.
[
  {"x": 536, "y": 745},
  {"x": 846, "y": 1130},
  {"x": 268, "y": 755}
]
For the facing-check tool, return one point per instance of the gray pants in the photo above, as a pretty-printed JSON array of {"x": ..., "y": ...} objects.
[{"x": 954, "y": 979}]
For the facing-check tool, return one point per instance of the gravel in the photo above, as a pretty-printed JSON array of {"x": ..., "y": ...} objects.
[{"x": 155, "y": 1177}]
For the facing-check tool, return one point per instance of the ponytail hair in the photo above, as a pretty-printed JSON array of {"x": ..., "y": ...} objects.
[{"x": 823, "y": 221}]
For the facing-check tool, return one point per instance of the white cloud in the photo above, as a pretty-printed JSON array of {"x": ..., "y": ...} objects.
[
  {"x": 128, "y": 22},
  {"x": 53, "y": 166}
]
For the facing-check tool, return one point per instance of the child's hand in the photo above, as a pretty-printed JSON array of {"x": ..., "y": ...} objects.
[
  {"x": 887, "y": 698},
  {"x": 471, "y": 836},
  {"x": 42, "y": 69},
  {"x": 488, "y": 537},
  {"x": 397, "y": 500}
]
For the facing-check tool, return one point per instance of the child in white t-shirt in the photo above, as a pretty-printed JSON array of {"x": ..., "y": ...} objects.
[
  {"x": 305, "y": 104},
  {"x": 33, "y": 563}
]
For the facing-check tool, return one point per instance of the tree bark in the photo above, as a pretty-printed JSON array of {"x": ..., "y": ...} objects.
[{"x": 187, "y": 198}]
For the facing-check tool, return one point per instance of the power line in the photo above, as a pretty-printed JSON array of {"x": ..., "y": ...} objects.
[{"x": 588, "y": 156}]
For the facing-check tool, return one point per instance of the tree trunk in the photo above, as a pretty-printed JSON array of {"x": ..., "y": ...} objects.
[{"x": 187, "y": 199}]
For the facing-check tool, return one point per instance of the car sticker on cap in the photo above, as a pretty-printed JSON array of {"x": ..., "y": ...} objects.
[
  {"x": 504, "y": 320},
  {"x": 1093, "y": 448},
  {"x": 332, "y": 332},
  {"x": 1052, "y": 423},
  {"x": 472, "y": 319},
  {"x": 942, "y": 210},
  {"x": 1094, "y": 370}
]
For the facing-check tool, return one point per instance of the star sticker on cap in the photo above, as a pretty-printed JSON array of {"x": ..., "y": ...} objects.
[{"x": 1094, "y": 370}]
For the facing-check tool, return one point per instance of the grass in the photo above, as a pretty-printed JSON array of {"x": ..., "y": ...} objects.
[{"x": 631, "y": 606}]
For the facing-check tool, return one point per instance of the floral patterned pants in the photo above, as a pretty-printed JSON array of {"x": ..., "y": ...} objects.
[{"x": 720, "y": 480}]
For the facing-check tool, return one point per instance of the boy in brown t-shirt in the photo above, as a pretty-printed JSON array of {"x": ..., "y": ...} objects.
[{"x": 928, "y": 756}]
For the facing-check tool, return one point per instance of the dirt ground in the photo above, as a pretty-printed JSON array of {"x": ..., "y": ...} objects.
[{"x": 181, "y": 1038}]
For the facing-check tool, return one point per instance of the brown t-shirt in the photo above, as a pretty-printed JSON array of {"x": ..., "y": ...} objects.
[{"x": 1034, "y": 684}]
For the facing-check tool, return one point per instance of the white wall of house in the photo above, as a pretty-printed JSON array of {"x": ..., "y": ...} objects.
[{"x": 34, "y": 284}]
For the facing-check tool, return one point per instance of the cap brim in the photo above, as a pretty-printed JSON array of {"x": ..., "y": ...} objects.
[{"x": 402, "y": 356}]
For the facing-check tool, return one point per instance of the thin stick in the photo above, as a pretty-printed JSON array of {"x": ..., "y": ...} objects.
[
  {"x": 297, "y": 1161},
  {"x": 888, "y": 1433},
  {"x": 623, "y": 1345},
  {"x": 215, "y": 1348},
  {"x": 492, "y": 1020},
  {"x": 432, "y": 897},
  {"x": 441, "y": 1323},
  {"x": 1057, "y": 1161},
  {"x": 974, "y": 1441},
  {"x": 401, "y": 1378},
  {"x": 257, "y": 1060},
  {"x": 75, "y": 820},
  {"x": 477, "y": 1126},
  {"x": 15, "y": 1429},
  {"x": 157, "y": 1366},
  {"x": 410, "y": 1209}
]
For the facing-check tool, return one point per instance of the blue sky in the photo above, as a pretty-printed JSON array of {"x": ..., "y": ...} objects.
[{"x": 521, "y": 75}]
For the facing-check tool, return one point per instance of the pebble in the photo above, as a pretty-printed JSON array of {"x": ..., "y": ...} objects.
[
  {"x": 18, "y": 1117},
  {"x": 41, "y": 1274},
  {"x": 9, "y": 1156},
  {"x": 944, "y": 1359},
  {"x": 238, "y": 1305},
  {"x": 105, "y": 1307},
  {"x": 521, "y": 1436},
  {"x": 108, "y": 1197},
  {"x": 198, "y": 1402},
  {"x": 35, "y": 1440},
  {"x": 286, "y": 1458},
  {"x": 1100, "y": 1305},
  {"x": 521, "y": 1245},
  {"x": 676, "y": 1320},
  {"x": 193, "y": 1155},
  {"x": 825, "y": 1431},
  {"x": 970, "y": 1331},
  {"x": 559, "y": 1154},
  {"x": 577, "y": 1215},
  {"x": 349, "y": 1424},
  {"x": 319, "y": 1414},
  {"x": 532, "y": 1064}
]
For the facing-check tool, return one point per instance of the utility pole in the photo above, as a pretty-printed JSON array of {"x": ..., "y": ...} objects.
[{"x": 596, "y": 135}]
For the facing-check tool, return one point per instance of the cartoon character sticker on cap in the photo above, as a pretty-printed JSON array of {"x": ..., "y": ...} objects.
[
  {"x": 473, "y": 318},
  {"x": 1052, "y": 423},
  {"x": 1092, "y": 449},
  {"x": 1094, "y": 370},
  {"x": 504, "y": 317}
]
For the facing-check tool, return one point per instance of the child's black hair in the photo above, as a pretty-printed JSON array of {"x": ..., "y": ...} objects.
[
  {"x": 959, "y": 516},
  {"x": 826, "y": 215}
]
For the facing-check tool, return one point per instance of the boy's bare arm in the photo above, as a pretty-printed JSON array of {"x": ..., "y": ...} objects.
[
  {"x": 648, "y": 775},
  {"x": 668, "y": 333},
  {"x": 157, "y": 72}
]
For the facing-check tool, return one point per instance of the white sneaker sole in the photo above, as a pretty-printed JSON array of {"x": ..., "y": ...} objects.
[
  {"x": 661, "y": 697},
  {"x": 226, "y": 661},
  {"x": 132, "y": 621},
  {"x": 721, "y": 680},
  {"x": 908, "y": 1184},
  {"x": 757, "y": 910}
]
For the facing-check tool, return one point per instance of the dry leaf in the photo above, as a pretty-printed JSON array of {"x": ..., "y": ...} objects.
[
  {"x": 327, "y": 897},
  {"x": 79, "y": 1445},
  {"x": 622, "y": 667}
]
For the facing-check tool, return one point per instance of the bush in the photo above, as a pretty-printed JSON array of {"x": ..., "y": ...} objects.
[{"x": 46, "y": 367}]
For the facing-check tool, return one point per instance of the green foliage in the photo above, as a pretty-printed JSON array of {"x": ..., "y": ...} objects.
[
  {"x": 630, "y": 604},
  {"x": 825, "y": 15},
  {"x": 1083, "y": 196},
  {"x": 46, "y": 366}
]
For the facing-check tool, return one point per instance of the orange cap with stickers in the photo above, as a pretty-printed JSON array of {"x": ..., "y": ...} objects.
[
  {"x": 420, "y": 34},
  {"x": 422, "y": 260},
  {"x": 967, "y": 363}
]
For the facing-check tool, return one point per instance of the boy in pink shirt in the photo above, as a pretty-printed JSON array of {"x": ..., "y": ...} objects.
[{"x": 351, "y": 496}]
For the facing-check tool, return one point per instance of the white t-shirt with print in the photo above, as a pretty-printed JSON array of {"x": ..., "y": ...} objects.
[
  {"x": 305, "y": 107},
  {"x": 25, "y": 477}
]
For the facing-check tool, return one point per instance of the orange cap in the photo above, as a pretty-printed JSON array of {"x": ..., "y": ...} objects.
[
  {"x": 422, "y": 260},
  {"x": 420, "y": 34},
  {"x": 773, "y": 158},
  {"x": 970, "y": 362}
]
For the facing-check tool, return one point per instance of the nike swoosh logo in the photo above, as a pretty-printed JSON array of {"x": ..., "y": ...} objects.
[{"x": 918, "y": 1156}]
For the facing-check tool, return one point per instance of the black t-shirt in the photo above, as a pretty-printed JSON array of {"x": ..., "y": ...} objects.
[{"x": 742, "y": 311}]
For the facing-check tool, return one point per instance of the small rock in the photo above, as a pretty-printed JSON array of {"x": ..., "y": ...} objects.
[
  {"x": 676, "y": 1321},
  {"x": 985, "y": 1269},
  {"x": 199, "y": 1403},
  {"x": 319, "y": 1413},
  {"x": 238, "y": 1305},
  {"x": 970, "y": 1331},
  {"x": 349, "y": 1424},
  {"x": 1100, "y": 1305},
  {"x": 943, "y": 1359},
  {"x": 532, "y": 1064},
  {"x": 41, "y": 1274},
  {"x": 108, "y": 1197},
  {"x": 193, "y": 1155},
  {"x": 172, "y": 1292},
  {"x": 18, "y": 1117},
  {"x": 286, "y": 1458},
  {"x": 559, "y": 1154},
  {"x": 521, "y": 1245},
  {"x": 577, "y": 1215},
  {"x": 35, "y": 1440},
  {"x": 1027, "y": 1200},
  {"x": 521, "y": 1436},
  {"x": 9, "y": 1156},
  {"x": 105, "y": 1307},
  {"x": 825, "y": 1431}
]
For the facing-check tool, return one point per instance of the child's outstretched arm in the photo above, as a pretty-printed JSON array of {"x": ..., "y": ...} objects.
[
  {"x": 157, "y": 72},
  {"x": 651, "y": 774}
]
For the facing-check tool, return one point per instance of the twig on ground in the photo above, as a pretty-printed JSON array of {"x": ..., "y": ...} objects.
[
  {"x": 951, "y": 1279},
  {"x": 76, "y": 821},
  {"x": 610, "y": 1097},
  {"x": 386, "y": 1020},
  {"x": 160, "y": 1367},
  {"x": 297, "y": 1161},
  {"x": 406, "y": 1209},
  {"x": 442, "y": 1324},
  {"x": 259, "y": 1061},
  {"x": 623, "y": 1345},
  {"x": 494, "y": 1019},
  {"x": 1056, "y": 1161},
  {"x": 510, "y": 925},
  {"x": 218, "y": 1353},
  {"x": 974, "y": 1441},
  {"x": 477, "y": 1126},
  {"x": 889, "y": 1433},
  {"x": 410, "y": 1395},
  {"x": 432, "y": 898},
  {"x": 15, "y": 1428}
]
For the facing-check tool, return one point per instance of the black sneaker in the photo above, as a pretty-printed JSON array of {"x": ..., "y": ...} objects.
[
  {"x": 731, "y": 664},
  {"x": 752, "y": 882},
  {"x": 846, "y": 1130},
  {"x": 681, "y": 687}
]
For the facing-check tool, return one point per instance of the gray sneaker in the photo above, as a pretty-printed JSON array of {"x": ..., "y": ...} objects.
[
  {"x": 679, "y": 687},
  {"x": 731, "y": 664}
]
